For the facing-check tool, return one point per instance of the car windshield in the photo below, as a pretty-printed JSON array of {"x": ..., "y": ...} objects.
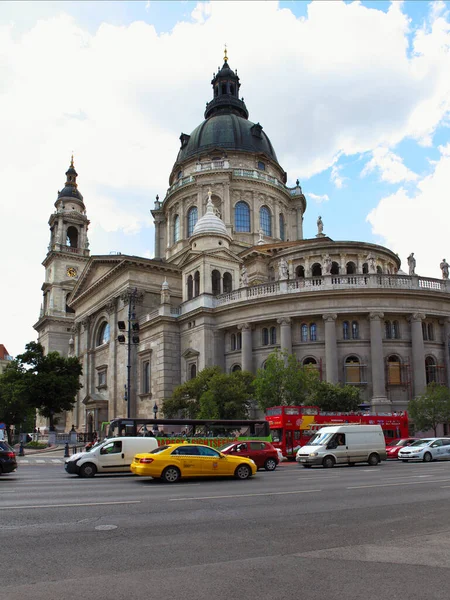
[
  {"x": 320, "y": 439},
  {"x": 421, "y": 442},
  {"x": 159, "y": 449},
  {"x": 397, "y": 443},
  {"x": 225, "y": 447}
]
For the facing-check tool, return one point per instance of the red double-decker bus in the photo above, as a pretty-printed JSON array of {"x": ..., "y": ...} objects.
[{"x": 292, "y": 426}]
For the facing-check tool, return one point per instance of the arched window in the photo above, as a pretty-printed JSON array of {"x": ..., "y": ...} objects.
[
  {"x": 346, "y": 330},
  {"x": 271, "y": 274},
  {"x": 430, "y": 331},
  {"x": 352, "y": 370},
  {"x": 69, "y": 309},
  {"x": 388, "y": 330},
  {"x": 351, "y": 268},
  {"x": 365, "y": 268},
  {"x": 193, "y": 371},
  {"x": 300, "y": 272},
  {"x": 146, "y": 377},
  {"x": 261, "y": 165},
  {"x": 233, "y": 341},
  {"x": 239, "y": 341},
  {"x": 394, "y": 373},
  {"x": 227, "y": 283},
  {"x": 273, "y": 335},
  {"x": 282, "y": 233},
  {"x": 309, "y": 361},
  {"x": 379, "y": 270},
  {"x": 430, "y": 370},
  {"x": 103, "y": 334},
  {"x": 215, "y": 281},
  {"x": 265, "y": 336},
  {"x": 196, "y": 284},
  {"x": 355, "y": 330},
  {"x": 72, "y": 237},
  {"x": 396, "y": 330},
  {"x": 334, "y": 268},
  {"x": 313, "y": 332},
  {"x": 304, "y": 332},
  {"x": 242, "y": 216},
  {"x": 192, "y": 217},
  {"x": 176, "y": 228},
  {"x": 236, "y": 368},
  {"x": 316, "y": 270},
  {"x": 190, "y": 287},
  {"x": 265, "y": 221}
]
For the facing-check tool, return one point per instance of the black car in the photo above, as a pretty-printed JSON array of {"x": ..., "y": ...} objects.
[{"x": 8, "y": 461}]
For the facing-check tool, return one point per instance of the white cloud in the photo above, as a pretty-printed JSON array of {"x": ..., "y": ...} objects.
[
  {"x": 340, "y": 81},
  {"x": 318, "y": 198},
  {"x": 418, "y": 222},
  {"x": 390, "y": 166}
]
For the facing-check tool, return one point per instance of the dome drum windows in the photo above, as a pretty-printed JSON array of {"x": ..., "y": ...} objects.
[
  {"x": 192, "y": 218},
  {"x": 176, "y": 229},
  {"x": 265, "y": 221},
  {"x": 241, "y": 217},
  {"x": 282, "y": 228}
]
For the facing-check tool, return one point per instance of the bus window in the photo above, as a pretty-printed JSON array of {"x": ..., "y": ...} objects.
[
  {"x": 272, "y": 412},
  {"x": 276, "y": 435},
  {"x": 292, "y": 410}
]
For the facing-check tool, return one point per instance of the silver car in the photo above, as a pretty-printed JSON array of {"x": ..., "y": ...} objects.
[{"x": 426, "y": 450}]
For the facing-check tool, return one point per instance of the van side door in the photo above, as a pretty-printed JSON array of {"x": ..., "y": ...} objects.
[{"x": 111, "y": 458}]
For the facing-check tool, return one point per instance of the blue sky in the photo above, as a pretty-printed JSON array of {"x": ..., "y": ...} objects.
[{"x": 355, "y": 97}]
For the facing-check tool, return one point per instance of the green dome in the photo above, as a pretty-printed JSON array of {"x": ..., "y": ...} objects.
[{"x": 227, "y": 131}]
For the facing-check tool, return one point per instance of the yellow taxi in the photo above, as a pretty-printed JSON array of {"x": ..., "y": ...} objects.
[{"x": 174, "y": 461}]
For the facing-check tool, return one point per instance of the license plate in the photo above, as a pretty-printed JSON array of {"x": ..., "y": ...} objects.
[{"x": 302, "y": 460}]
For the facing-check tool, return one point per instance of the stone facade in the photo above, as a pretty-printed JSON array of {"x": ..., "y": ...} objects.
[{"x": 343, "y": 307}]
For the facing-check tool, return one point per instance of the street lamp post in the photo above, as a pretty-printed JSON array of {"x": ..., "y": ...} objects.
[
  {"x": 155, "y": 412},
  {"x": 132, "y": 339}
]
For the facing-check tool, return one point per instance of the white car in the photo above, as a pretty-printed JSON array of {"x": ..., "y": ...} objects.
[
  {"x": 281, "y": 458},
  {"x": 426, "y": 450}
]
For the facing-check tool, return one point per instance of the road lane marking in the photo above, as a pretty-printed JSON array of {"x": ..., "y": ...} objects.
[
  {"x": 245, "y": 495},
  {"x": 68, "y": 505},
  {"x": 359, "y": 487}
]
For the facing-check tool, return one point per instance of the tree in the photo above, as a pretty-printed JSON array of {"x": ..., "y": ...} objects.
[
  {"x": 336, "y": 398},
  {"x": 14, "y": 407},
  {"x": 430, "y": 409},
  {"x": 212, "y": 395},
  {"x": 284, "y": 382},
  {"x": 51, "y": 380}
]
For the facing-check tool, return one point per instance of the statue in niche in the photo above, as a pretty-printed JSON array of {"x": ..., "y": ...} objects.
[
  {"x": 371, "y": 263},
  {"x": 411, "y": 264},
  {"x": 283, "y": 269},
  {"x": 244, "y": 276},
  {"x": 327, "y": 264},
  {"x": 444, "y": 268}
]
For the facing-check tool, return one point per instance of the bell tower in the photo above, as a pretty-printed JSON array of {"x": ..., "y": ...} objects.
[{"x": 67, "y": 255}]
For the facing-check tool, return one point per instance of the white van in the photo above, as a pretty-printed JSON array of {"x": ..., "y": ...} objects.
[
  {"x": 344, "y": 444},
  {"x": 114, "y": 455}
]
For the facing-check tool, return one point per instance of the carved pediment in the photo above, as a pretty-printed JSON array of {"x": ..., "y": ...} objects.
[{"x": 190, "y": 353}]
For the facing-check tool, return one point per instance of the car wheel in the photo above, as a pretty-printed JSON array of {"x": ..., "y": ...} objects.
[
  {"x": 171, "y": 475},
  {"x": 243, "y": 472},
  {"x": 328, "y": 462},
  {"x": 427, "y": 457},
  {"x": 270, "y": 464},
  {"x": 373, "y": 460},
  {"x": 88, "y": 470}
]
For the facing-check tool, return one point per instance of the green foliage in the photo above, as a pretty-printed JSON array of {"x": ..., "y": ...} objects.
[
  {"x": 14, "y": 406},
  {"x": 430, "y": 409},
  {"x": 283, "y": 381},
  {"x": 336, "y": 398},
  {"x": 211, "y": 395},
  {"x": 51, "y": 381}
]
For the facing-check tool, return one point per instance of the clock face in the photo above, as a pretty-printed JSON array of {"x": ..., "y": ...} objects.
[{"x": 71, "y": 272}]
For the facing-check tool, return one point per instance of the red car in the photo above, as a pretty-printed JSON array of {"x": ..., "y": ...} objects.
[
  {"x": 393, "y": 448},
  {"x": 263, "y": 454}
]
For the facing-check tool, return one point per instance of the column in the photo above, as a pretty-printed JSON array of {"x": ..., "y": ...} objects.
[
  {"x": 247, "y": 347},
  {"x": 418, "y": 354},
  {"x": 299, "y": 223},
  {"x": 285, "y": 334},
  {"x": 331, "y": 348},
  {"x": 157, "y": 239},
  {"x": 446, "y": 338},
  {"x": 379, "y": 399}
]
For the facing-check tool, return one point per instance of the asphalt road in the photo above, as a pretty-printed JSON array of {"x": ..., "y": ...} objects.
[{"x": 349, "y": 533}]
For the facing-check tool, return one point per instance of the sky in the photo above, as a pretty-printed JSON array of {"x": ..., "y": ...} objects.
[{"x": 355, "y": 97}]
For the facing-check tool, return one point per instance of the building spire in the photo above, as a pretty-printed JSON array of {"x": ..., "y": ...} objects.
[{"x": 225, "y": 55}]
